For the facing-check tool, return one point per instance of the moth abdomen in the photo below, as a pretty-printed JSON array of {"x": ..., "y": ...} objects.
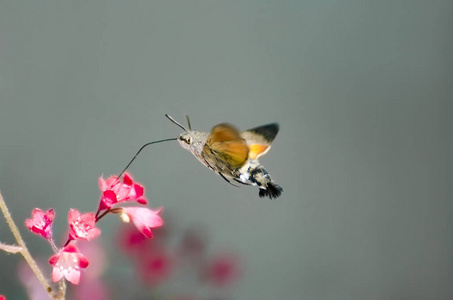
[{"x": 255, "y": 173}]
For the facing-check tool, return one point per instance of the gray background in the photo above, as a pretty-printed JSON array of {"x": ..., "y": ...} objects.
[{"x": 361, "y": 89}]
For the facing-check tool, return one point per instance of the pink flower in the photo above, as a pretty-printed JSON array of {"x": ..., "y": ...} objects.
[
  {"x": 92, "y": 287},
  {"x": 32, "y": 285},
  {"x": 223, "y": 269},
  {"x": 82, "y": 226},
  {"x": 155, "y": 267},
  {"x": 2, "y": 297},
  {"x": 143, "y": 218},
  {"x": 132, "y": 241},
  {"x": 97, "y": 256},
  {"x": 113, "y": 191},
  {"x": 41, "y": 222},
  {"x": 68, "y": 262}
]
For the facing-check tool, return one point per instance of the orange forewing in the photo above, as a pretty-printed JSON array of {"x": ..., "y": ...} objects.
[
  {"x": 224, "y": 133},
  {"x": 227, "y": 143}
]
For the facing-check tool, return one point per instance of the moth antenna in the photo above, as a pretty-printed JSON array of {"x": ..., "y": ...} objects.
[
  {"x": 188, "y": 122},
  {"x": 176, "y": 122},
  {"x": 155, "y": 142}
]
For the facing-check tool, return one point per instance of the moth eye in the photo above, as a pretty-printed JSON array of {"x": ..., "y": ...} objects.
[{"x": 188, "y": 140}]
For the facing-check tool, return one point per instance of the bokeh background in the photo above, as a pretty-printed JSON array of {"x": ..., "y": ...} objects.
[{"x": 362, "y": 91}]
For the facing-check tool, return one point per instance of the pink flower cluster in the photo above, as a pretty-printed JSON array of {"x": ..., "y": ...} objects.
[
  {"x": 67, "y": 262},
  {"x": 114, "y": 191},
  {"x": 164, "y": 259}
]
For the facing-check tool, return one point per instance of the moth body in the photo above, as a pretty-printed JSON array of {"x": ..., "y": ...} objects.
[{"x": 234, "y": 155}]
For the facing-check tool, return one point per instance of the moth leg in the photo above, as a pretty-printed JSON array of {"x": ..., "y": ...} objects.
[
  {"x": 207, "y": 164},
  {"x": 227, "y": 179},
  {"x": 244, "y": 183}
]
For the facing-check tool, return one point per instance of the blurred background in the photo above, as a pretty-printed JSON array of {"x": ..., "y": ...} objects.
[{"x": 361, "y": 89}]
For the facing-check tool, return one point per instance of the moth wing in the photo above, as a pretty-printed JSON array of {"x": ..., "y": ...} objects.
[
  {"x": 226, "y": 146},
  {"x": 259, "y": 139}
]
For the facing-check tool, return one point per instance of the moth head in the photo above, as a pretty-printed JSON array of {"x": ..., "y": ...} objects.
[{"x": 185, "y": 140}]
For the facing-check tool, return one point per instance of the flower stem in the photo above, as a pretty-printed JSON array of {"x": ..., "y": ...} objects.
[
  {"x": 52, "y": 244},
  {"x": 24, "y": 251},
  {"x": 103, "y": 214},
  {"x": 62, "y": 288}
]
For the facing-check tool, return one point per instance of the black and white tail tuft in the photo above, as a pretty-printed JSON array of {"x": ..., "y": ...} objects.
[{"x": 272, "y": 191}]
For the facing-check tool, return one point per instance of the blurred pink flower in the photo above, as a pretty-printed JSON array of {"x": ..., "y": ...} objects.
[
  {"x": 68, "y": 262},
  {"x": 132, "y": 241},
  {"x": 32, "y": 285},
  {"x": 155, "y": 267},
  {"x": 114, "y": 191},
  {"x": 41, "y": 222},
  {"x": 2, "y": 297},
  {"x": 82, "y": 226},
  {"x": 92, "y": 287},
  {"x": 143, "y": 218},
  {"x": 223, "y": 269},
  {"x": 97, "y": 255}
]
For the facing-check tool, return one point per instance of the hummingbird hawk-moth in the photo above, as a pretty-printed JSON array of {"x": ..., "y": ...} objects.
[{"x": 233, "y": 154}]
